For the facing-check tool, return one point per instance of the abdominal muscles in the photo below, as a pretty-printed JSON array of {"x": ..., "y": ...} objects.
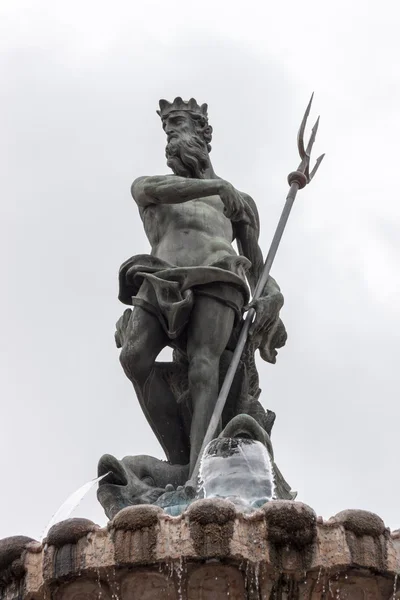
[
  {"x": 188, "y": 248},
  {"x": 190, "y": 234}
]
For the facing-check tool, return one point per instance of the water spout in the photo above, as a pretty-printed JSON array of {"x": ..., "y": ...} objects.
[{"x": 70, "y": 504}]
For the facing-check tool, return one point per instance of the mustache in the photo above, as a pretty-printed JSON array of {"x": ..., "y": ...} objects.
[{"x": 187, "y": 156}]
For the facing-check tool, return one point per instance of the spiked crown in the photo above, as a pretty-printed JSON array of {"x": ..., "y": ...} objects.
[{"x": 178, "y": 104}]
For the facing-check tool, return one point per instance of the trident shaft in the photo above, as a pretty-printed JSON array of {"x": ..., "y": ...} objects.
[{"x": 297, "y": 180}]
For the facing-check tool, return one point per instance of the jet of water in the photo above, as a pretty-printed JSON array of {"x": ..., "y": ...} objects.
[{"x": 70, "y": 504}]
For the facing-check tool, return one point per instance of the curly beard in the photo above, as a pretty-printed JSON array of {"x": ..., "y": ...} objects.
[{"x": 187, "y": 156}]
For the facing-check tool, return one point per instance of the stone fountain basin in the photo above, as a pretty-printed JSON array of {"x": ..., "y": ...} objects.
[{"x": 211, "y": 551}]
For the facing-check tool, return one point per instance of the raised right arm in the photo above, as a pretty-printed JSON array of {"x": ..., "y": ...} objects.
[{"x": 171, "y": 189}]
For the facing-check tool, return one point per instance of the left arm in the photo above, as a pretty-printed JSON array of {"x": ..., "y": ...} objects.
[
  {"x": 247, "y": 241},
  {"x": 271, "y": 300}
]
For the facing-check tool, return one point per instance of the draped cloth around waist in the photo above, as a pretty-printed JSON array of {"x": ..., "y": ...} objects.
[{"x": 169, "y": 292}]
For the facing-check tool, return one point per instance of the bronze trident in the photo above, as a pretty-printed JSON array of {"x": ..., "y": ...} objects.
[{"x": 297, "y": 180}]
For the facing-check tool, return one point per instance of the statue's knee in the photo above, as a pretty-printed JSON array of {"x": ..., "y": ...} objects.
[
  {"x": 134, "y": 361},
  {"x": 126, "y": 356},
  {"x": 202, "y": 368}
]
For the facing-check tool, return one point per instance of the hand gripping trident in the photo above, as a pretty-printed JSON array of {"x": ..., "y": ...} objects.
[{"x": 297, "y": 180}]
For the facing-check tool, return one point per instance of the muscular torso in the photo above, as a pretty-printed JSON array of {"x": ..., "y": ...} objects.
[{"x": 192, "y": 233}]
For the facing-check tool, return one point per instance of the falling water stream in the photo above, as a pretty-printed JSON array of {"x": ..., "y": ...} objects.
[{"x": 70, "y": 504}]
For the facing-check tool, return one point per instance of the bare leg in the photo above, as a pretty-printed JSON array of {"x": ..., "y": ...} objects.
[
  {"x": 144, "y": 338},
  {"x": 209, "y": 332}
]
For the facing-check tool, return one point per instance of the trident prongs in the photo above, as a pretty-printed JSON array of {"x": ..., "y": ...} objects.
[
  {"x": 300, "y": 135},
  {"x": 305, "y": 153}
]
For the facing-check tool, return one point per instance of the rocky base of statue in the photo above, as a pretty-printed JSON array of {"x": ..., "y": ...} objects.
[
  {"x": 238, "y": 465},
  {"x": 210, "y": 552}
]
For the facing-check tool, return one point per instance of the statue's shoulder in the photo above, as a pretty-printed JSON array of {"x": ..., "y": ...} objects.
[
  {"x": 140, "y": 193},
  {"x": 137, "y": 189}
]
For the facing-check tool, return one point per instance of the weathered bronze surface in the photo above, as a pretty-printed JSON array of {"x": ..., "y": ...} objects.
[{"x": 190, "y": 293}]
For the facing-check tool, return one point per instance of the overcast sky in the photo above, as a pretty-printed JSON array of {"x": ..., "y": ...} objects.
[{"x": 80, "y": 84}]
